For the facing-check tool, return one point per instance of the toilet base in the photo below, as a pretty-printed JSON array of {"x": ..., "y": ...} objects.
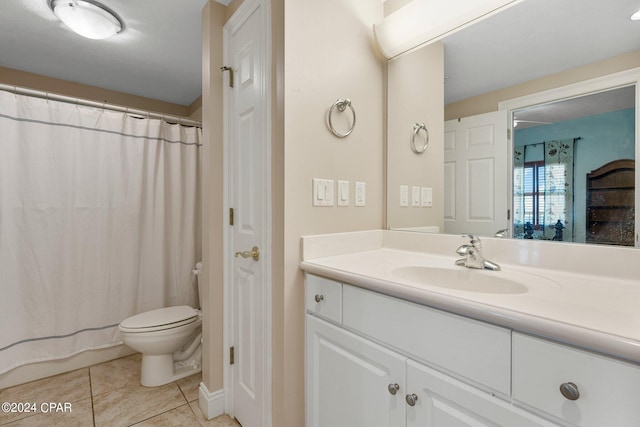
[{"x": 159, "y": 370}]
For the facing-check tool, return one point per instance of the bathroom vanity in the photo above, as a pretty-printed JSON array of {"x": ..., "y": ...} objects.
[{"x": 397, "y": 335}]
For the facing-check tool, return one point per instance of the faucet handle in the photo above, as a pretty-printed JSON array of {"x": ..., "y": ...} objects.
[{"x": 474, "y": 239}]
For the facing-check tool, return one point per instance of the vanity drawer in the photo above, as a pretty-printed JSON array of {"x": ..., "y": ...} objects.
[
  {"x": 474, "y": 350},
  {"x": 609, "y": 389},
  {"x": 324, "y": 298}
]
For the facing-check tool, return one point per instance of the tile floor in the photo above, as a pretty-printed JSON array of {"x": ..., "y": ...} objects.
[{"x": 108, "y": 394}]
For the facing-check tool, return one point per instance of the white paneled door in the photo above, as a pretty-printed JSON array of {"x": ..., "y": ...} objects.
[
  {"x": 476, "y": 174},
  {"x": 248, "y": 196}
]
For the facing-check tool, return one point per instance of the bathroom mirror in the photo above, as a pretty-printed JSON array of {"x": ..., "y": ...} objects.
[{"x": 524, "y": 54}]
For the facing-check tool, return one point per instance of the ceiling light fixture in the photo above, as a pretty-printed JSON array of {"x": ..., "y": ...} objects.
[
  {"x": 636, "y": 16},
  {"x": 87, "y": 18}
]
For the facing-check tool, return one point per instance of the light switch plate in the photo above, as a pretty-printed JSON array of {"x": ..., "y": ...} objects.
[
  {"x": 404, "y": 195},
  {"x": 343, "y": 193},
  {"x": 415, "y": 196},
  {"x": 427, "y": 197},
  {"x": 361, "y": 192},
  {"x": 322, "y": 192}
]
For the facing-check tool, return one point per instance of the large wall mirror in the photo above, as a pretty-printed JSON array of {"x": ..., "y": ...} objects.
[{"x": 567, "y": 173}]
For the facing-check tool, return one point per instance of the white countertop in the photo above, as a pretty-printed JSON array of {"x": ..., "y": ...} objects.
[{"x": 594, "y": 312}]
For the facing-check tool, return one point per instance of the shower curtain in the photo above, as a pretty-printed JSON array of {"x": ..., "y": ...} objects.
[{"x": 99, "y": 220}]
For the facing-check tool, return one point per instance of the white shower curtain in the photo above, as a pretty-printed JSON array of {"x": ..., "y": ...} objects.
[{"x": 99, "y": 220}]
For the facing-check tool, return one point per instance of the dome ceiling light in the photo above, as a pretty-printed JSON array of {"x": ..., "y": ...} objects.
[{"x": 87, "y": 18}]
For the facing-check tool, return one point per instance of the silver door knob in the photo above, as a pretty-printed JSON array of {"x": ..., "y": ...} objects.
[
  {"x": 253, "y": 253},
  {"x": 570, "y": 391},
  {"x": 393, "y": 388},
  {"x": 319, "y": 297},
  {"x": 411, "y": 399}
]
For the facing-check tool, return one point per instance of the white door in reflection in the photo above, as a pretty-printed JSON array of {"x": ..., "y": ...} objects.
[{"x": 476, "y": 174}]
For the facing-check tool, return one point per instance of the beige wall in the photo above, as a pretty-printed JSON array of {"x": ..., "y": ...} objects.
[
  {"x": 213, "y": 19},
  {"x": 415, "y": 95},
  {"x": 489, "y": 102},
  {"x": 329, "y": 54}
]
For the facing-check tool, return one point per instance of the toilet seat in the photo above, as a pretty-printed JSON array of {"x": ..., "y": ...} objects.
[{"x": 160, "y": 319}]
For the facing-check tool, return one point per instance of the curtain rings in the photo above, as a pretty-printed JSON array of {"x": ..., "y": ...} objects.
[
  {"x": 419, "y": 149},
  {"x": 341, "y": 104}
]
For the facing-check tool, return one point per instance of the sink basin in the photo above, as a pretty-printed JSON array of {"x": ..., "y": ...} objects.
[{"x": 462, "y": 279}]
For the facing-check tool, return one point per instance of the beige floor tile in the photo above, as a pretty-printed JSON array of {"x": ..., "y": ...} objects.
[
  {"x": 190, "y": 386},
  {"x": 115, "y": 373},
  {"x": 76, "y": 414},
  {"x": 182, "y": 416},
  {"x": 134, "y": 403},
  {"x": 221, "y": 421},
  {"x": 68, "y": 387}
]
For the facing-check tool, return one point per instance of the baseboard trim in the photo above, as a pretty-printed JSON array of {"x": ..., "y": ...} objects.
[{"x": 211, "y": 404}]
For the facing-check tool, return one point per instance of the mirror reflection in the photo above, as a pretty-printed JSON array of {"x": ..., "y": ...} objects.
[
  {"x": 574, "y": 179},
  {"x": 553, "y": 178}
]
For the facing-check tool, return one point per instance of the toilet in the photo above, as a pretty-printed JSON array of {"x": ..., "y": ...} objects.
[{"x": 170, "y": 340}]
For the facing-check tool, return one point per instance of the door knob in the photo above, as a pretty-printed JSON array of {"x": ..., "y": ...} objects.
[
  {"x": 570, "y": 391},
  {"x": 253, "y": 253},
  {"x": 411, "y": 399},
  {"x": 393, "y": 388}
]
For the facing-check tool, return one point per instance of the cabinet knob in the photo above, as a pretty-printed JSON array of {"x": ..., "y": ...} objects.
[
  {"x": 319, "y": 297},
  {"x": 411, "y": 399},
  {"x": 393, "y": 388},
  {"x": 570, "y": 391}
]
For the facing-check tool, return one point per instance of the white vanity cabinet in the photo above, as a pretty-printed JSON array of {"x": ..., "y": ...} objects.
[
  {"x": 348, "y": 379},
  {"x": 579, "y": 387},
  {"x": 388, "y": 362}
]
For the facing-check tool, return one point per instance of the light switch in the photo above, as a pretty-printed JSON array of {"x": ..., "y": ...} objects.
[
  {"x": 404, "y": 195},
  {"x": 427, "y": 197},
  {"x": 322, "y": 192},
  {"x": 343, "y": 193},
  {"x": 415, "y": 196},
  {"x": 361, "y": 191}
]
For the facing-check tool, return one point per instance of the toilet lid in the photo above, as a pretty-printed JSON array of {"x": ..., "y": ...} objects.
[{"x": 168, "y": 316}]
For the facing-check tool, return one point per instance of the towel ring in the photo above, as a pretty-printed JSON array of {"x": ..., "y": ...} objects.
[
  {"x": 417, "y": 127},
  {"x": 342, "y": 105}
]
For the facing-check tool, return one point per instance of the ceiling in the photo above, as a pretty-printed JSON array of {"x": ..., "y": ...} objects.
[
  {"x": 158, "y": 55},
  {"x": 536, "y": 38}
]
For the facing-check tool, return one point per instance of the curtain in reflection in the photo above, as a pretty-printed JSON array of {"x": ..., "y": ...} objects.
[
  {"x": 543, "y": 190},
  {"x": 518, "y": 191},
  {"x": 558, "y": 190}
]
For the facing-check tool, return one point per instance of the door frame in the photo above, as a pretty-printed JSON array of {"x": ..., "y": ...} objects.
[
  {"x": 598, "y": 84},
  {"x": 246, "y": 9}
]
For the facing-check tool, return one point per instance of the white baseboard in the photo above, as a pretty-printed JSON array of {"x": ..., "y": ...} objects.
[{"x": 211, "y": 404}]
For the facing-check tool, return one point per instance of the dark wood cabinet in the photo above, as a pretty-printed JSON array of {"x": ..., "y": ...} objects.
[{"x": 611, "y": 204}]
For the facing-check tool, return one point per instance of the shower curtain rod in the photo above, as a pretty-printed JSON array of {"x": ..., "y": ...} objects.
[{"x": 105, "y": 106}]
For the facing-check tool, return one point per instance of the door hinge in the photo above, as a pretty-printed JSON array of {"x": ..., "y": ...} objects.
[
  {"x": 232, "y": 355},
  {"x": 508, "y": 214},
  {"x": 230, "y": 216},
  {"x": 230, "y": 70},
  {"x": 509, "y": 134}
]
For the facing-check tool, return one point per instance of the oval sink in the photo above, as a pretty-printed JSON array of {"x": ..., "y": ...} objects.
[{"x": 462, "y": 279}]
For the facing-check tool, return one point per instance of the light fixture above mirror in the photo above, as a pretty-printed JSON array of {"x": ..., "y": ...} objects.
[{"x": 87, "y": 18}]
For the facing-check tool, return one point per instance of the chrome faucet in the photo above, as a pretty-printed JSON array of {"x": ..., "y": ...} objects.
[
  {"x": 473, "y": 257},
  {"x": 502, "y": 233}
]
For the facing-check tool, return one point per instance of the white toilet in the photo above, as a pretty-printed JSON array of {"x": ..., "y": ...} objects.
[{"x": 169, "y": 339}]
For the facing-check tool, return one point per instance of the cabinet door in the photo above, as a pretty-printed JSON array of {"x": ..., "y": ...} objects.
[
  {"x": 348, "y": 378},
  {"x": 445, "y": 402}
]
